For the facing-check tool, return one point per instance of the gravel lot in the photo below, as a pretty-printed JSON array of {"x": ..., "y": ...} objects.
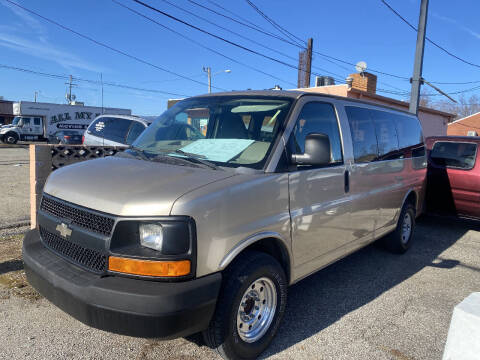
[
  {"x": 370, "y": 305},
  {"x": 14, "y": 186}
]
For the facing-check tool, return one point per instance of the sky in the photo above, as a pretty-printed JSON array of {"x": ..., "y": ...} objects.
[{"x": 162, "y": 60}]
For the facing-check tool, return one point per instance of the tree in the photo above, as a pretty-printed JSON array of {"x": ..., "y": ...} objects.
[{"x": 464, "y": 107}]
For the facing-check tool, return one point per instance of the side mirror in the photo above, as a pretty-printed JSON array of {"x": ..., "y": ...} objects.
[{"x": 317, "y": 151}]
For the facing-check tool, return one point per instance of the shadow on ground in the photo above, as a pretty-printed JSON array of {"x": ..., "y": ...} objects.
[
  {"x": 10, "y": 265},
  {"x": 323, "y": 298}
]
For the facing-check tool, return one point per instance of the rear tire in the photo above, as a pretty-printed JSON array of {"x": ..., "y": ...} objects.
[
  {"x": 400, "y": 240},
  {"x": 10, "y": 138},
  {"x": 250, "y": 307}
]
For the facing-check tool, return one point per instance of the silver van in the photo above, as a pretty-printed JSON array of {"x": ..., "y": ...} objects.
[
  {"x": 114, "y": 130},
  {"x": 220, "y": 205}
]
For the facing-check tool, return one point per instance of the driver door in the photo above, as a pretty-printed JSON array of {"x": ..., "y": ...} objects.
[{"x": 319, "y": 201}]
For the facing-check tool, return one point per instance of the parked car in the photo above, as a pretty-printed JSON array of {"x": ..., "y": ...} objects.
[
  {"x": 114, "y": 130},
  {"x": 220, "y": 205},
  {"x": 65, "y": 137},
  {"x": 453, "y": 176}
]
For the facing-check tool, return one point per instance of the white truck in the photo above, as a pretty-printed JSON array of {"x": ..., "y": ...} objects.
[{"x": 35, "y": 121}]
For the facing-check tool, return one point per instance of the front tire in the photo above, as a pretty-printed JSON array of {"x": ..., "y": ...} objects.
[
  {"x": 10, "y": 138},
  {"x": 400, "y": 240},
  {"x": 250, "y": 307}
]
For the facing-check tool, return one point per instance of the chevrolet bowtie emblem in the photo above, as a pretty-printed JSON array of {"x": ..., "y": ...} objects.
[{"x": 64, "y": 230}]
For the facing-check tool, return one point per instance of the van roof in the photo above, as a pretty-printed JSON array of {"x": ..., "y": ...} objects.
[{"x": 296, "y": 94}]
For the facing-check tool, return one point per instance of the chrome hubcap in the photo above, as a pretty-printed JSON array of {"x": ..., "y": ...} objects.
[
  {"x": 257, "y": 309},
  {"x": 406, "y": 228}
]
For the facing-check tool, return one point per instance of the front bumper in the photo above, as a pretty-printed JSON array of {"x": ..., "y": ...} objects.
[{"x": 118, "y": 304}]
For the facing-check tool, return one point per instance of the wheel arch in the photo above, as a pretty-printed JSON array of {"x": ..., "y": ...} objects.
[
  {"x": 270, "y": 243},
  {"x": 411, "y": 197}
]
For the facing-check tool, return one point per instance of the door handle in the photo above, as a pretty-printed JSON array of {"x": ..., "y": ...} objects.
[{"x": 346, "y": 181}]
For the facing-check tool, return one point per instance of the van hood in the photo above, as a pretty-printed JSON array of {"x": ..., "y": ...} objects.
[{"x": 128, "y": 187}]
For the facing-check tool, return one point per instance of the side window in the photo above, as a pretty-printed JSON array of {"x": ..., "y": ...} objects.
[
  {"x": 36, "y": 121},
  {"x": 317, "y": 117},
  {"x": 26, "y": 122},
  {"x": 96, "y": 128},
  {"x": 362, "y": 128},
  {"x": 116, "y": 129},
  {"x": 386, "y": 132},
  {"x": 454, "y": 154},
  {"x": 409, "y": 131},
  {"x": 135, "y": 130}
]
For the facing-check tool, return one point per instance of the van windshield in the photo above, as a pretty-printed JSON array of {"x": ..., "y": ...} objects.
[
  {"x": 226, "y": 130},
  {"x": 15, "y": 120}
]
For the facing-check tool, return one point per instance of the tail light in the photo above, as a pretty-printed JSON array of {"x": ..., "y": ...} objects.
[
  {"x": 83, "y": 139},
  {"x": 66, "y": 137}
]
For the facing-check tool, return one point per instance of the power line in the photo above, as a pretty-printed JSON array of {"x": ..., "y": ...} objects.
[
  {"x": 428, "y": 39},
  {"x": 282, "y": 30},
  {"x": 97, "y": 82},
  {"x": 243, "y": 36},
  {"x": 258, "y": 29},
  {"x": 221, "y": 38},
  {"x": 201, "y": 45},
  {"x": 108, "y": 46}
]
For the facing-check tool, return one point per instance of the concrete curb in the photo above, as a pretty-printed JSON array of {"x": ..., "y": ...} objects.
[{"x": 15, "y": 225}]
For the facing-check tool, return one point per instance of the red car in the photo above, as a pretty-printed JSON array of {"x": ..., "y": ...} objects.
[{"x": 453, "y": 176}]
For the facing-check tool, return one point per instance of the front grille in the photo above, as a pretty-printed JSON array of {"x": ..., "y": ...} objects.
[
  {"x": 88, "y": 258},
  {"x": 84, "y": 218}
]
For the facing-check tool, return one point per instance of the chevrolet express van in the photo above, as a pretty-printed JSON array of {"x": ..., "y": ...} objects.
[{"x": 220, "y": 205}]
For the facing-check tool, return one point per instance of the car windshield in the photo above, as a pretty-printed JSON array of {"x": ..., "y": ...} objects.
[
  {"x": 15, "y": 120},
  {"x": 226, "y": 130}
]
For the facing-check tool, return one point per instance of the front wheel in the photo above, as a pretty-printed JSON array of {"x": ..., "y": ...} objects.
[
  {"x": 250, "y": 307},
  {"x": 10, "y": 138}
]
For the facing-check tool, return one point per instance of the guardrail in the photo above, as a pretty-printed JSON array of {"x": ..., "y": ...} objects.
[{"x": 47, "y": 158}]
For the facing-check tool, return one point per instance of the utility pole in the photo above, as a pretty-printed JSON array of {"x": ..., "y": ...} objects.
[
  {"x": 417, "y": 67},
  {"x": 70, "y": 97},
  {"x": 36, "y": 96},
  {"x": 308, "y": 71},
  {"x": 208, "y": 70},
  {"x": 101, "y": 80}
]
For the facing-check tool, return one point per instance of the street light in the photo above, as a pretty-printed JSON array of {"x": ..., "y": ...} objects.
[{"x": 208, "y": 70}]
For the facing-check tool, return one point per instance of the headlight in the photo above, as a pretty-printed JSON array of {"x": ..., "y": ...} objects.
[{"x": 151, "y": 235}]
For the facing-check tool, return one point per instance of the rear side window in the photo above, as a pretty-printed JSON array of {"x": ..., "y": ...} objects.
[
  {"x": 36, "y": 121},
  {"x": 362, "y": 129},
  {"x": 96, "y": 128},
  {"x": 116, "y": 129},
  {"x": 26, "y": 121},
  {"x": 454, "y": 154},
  {"x": 386, "y": 133},
  {"x": 409, "y": 131},
  {"x": 317, "y": 117},
  {"x": 135, "y": 130}
]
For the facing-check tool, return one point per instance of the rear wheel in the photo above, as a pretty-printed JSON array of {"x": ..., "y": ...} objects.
[
  {"x": 250, "y": 307},
  {"x": 400, "y": 240},
  {"x": 11, "y": 138}
]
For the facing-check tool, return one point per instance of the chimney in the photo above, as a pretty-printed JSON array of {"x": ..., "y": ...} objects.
[{"x": 364, "y": 82}]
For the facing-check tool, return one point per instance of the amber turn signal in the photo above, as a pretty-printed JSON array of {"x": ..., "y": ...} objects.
[{"x": 149, "y": 267}]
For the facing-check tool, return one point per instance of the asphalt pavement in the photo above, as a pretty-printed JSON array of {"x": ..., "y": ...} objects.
[{"x": 370, "y": 305}]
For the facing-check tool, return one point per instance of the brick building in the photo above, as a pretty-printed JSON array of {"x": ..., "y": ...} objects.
[
  {"x": 467, "y": 126},
  {"x": 364, "y": 87}
]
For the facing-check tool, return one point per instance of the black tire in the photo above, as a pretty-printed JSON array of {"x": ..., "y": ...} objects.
[
  {"x": 222, "y": 334},
  {"x": 397, "y": 242},
  {"x": 10, "y": 138}
]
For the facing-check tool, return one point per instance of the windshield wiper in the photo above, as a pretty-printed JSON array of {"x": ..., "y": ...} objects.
[
  {"x": 140, "y": 152},
  {"x": 197, "y": 158}
]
